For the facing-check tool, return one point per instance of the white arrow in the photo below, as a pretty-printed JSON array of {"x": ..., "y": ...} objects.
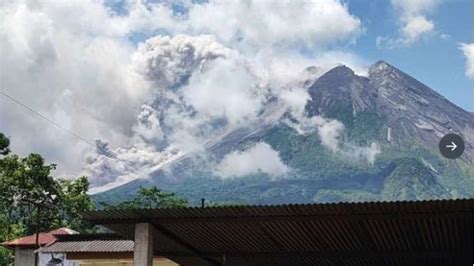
[{"x": 453, "y": 146}]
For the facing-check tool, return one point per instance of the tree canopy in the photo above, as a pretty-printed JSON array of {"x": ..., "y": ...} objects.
[
  {"x": 29, "y": 193},
  {"x": 4, "y": 144},
  {"x": 151, "y": 197}
]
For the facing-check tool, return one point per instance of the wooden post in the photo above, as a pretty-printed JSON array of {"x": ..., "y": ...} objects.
[
  {"x": 38, "y": 227},
  {"x": 143, "y": 251}
]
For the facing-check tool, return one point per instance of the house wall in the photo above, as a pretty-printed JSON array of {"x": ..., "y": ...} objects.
[
  {"x": 123, "y": 263},
  {"x": 45, "y": 258},
  {"x": 24, "y": 257},
  {"x": 111, "y": 259}
]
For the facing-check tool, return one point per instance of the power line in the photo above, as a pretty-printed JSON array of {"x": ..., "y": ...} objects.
[
  {"x": 16, "y": 101},
  {"x": 45, "y": 118}
]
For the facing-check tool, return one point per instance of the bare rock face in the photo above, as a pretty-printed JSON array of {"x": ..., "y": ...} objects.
[
  {"x": 341, "y": 89},
  {"x": 414, "y": 113}
]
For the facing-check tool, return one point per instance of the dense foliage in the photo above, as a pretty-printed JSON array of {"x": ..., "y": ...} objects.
[
  {"x": 150, "y": 198},
  {"x": 4, "y": 144},
  {"x": 31, "y": 199}
]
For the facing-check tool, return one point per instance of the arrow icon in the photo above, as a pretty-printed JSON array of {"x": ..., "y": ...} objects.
[
  {"x": 453, "y": 146},
  {"x": 450, "y": 146}
]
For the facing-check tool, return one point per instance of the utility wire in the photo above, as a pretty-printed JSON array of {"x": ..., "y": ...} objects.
[
  {"x": 58, "y": 125},
  {"x": 45, "y": 118},
  {"x": 12, "y": 99}
]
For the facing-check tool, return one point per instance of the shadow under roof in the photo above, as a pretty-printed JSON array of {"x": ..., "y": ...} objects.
[{"x": 438, "y": 232}]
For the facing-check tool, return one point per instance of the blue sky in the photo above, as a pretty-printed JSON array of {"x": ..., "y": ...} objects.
[{"x": 437, "y": 62}]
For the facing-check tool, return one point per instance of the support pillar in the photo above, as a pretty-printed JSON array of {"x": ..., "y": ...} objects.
[{"x": 143, "y": 251}]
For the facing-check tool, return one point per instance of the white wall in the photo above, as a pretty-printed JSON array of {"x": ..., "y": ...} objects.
[
  {"x": 45, "y": 258},
  {"x": 24, "y": 257}
]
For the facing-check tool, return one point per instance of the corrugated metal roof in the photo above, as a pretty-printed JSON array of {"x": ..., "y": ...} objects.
[
  {"x": 87, "y": 237},
  {"x": 376, "y": 233},
  {"x": 90, "y": 246},
  {"x": 44, "y": 238},
  {"x": 90, "y": 243},
  {"x": 442, "y": 207}
]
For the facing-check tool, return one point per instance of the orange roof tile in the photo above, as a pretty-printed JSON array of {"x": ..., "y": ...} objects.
[{"x": 45, "y": 238}]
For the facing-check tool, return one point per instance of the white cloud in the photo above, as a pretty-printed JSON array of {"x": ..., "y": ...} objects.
[
  {"x": 413, "y": 7},
  {"x": 468, "y": 50},
  {"x": 249, "y": 25},
  {"x": 67, "y": 62},
  {"x": 73, "y": 62},
  {"x": 288, "y": 74},
  {"x": 277, "y": 69},
  {"x": 416, "y": 27},
  {"x": 331, "y": 59},
  {"x": 413, "y": 20},
  {"x": 224, "y": 90},
  {"x": 275, "y": 23},
  {"x": 330, "y": 132},
  {"x": 445, "y": 36},
  {"x": 259, "y": 158},
  {"x": 367, "y": 154},
  {"x": 289, "y": 68},
  {"x": 296, "y": 99}
]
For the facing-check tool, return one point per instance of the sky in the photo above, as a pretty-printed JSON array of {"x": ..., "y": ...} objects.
[
  {"x": 434, "y": 57},
  {"x": 111, "y": 73}
]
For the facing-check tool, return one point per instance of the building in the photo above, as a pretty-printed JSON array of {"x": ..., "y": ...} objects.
[
  {"x": 25, "y": 247},
  {"x": 418, "y": 233},
  {"x": 66, "y": 247},
  {"x": 98, "y": 250}
]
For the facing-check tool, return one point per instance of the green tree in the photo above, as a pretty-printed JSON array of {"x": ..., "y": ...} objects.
[
  {"x": 75, "y": 200},
  {"x": 25, "y": 182},
  {"x": 4, "y": 144},
  {"x": 28, "y": 192},
  {"x": 151, "y": 197}
]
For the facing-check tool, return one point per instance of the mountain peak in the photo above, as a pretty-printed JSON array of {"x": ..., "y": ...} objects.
[
  {"x": 341, "y": 70},
  {"x": 381, "y": 67},
  {"x": 381, "y": 63},
  {"x": 337, "y": 76}
]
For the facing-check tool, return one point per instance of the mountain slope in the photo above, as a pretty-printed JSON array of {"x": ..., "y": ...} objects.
[
  {"x": 416, "y": 111},
  {"x": 388, "y": 109}
]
